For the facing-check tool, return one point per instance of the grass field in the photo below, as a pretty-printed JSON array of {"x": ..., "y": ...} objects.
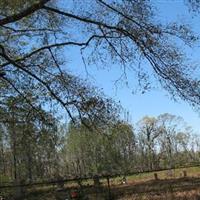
[{"x": 141, "y": 186}]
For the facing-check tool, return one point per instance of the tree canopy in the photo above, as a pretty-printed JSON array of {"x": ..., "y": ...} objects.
[{"x": 35, "y": 36}]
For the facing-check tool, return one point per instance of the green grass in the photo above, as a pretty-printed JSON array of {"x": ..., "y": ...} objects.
[
  {"x": 140, "y": 177},
  {"x": 177, "y": 173}
]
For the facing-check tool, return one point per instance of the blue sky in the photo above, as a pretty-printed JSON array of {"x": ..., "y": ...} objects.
[{"x": 156, "y": 101}]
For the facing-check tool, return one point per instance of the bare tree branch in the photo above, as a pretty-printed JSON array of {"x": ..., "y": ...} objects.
[
  {"x": 30, "y": 10},
  {"x": 46, "y": 85}
]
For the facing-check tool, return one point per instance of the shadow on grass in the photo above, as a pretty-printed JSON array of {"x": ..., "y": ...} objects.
[{"x": 170, "y": 189}]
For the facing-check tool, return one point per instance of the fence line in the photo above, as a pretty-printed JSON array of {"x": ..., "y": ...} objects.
[{"x": 79, "y": 179}]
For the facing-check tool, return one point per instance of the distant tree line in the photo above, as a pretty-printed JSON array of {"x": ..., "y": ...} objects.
[
  {"x": 163, "y": 142},
  {"x": 33, "y": 149}
]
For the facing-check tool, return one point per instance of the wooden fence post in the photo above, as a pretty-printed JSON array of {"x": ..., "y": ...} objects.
[
  {"x": 156, "y": 176},
  {"x": 184, "y": 173},
  {"x": 109, "y": 192}
]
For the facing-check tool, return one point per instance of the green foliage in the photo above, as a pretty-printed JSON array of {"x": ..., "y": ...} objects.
[
  {"x": 156, "y": 143},
  {"x": 29, "y": 143},
  {"x": 89, "y": 152}
]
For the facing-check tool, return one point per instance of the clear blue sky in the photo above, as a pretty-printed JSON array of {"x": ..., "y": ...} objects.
[{"x": 154, "y": 102}]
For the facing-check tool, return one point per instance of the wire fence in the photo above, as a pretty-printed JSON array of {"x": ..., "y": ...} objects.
[{"x": 79, "y": 180}]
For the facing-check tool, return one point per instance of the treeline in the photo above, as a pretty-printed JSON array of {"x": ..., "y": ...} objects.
[
  {"x": 33, "y": 148},
  {"x": 152, "y": 144}
]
